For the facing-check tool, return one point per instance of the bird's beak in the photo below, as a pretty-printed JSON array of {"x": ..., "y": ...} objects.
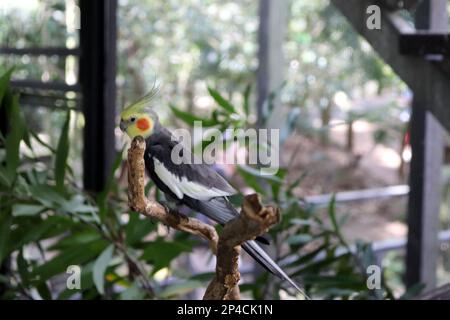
[{"x": 123, "y": 125}]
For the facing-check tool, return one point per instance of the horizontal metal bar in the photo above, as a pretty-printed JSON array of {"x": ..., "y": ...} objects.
[
  {"x": 34, "y": 84},
  {"x": 379, "y": 247},
  {"x": 50, "y": 102},
  {"x": 359, "y": 195},
  {"x": 44, "y": 51}
]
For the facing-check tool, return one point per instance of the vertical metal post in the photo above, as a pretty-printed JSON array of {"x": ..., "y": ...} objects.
[
  {"x": 425, "y": 172},
  {"x": 271, "y": 34},
  {"x": 97, "y": 76}
]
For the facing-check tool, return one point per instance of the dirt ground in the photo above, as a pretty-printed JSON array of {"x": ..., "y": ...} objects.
[{"x": 332, "y": 169}]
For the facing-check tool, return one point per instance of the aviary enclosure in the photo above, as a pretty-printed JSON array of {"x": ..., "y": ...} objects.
[{"x": 319, "y": 134}]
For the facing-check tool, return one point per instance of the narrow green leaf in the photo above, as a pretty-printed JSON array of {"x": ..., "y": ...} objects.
[
  {"x": 134, "y": 292},
  {"x": 413, "y": 291},
  {"x": 4, "y": 84},
  {"x": 14, "y": 137},
  {"x": 5, "y": 231},
  {"x": 62, "y": 153},
  {"x": 44, "y": 291},
  {"x": 299, "y": 239},
  {"x": 181, "y": 288},
  {"x": 161, "y": 252},
  {"x": 100, "y": 266},
  {"x": 251, "y": 180},
  {"x": 41, "y": 142},
  {"x": 47, "y": 195},
  {"x": 75, "y": 255},
  {"x": 307, "y": 257},
  {"x": 22, "y": 267},
  {"x": 221, "y": 101},
  {"x": 334, "y": 222},
  {"x": 247, "y": 92},
  {"x": 26, "y": 209},
  {"x": 136, "y": 228},
  {"x": 190, "y": 119}
]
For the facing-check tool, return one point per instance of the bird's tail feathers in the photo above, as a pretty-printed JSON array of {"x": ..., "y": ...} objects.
[
  {"x": 257, "y": 253},
  {"x": 222, "y": 211}
]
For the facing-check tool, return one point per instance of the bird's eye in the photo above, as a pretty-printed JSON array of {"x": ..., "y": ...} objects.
[{"x": 133, "y": 119}]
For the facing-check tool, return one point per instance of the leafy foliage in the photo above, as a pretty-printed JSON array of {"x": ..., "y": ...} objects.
[
  {"x": 48, "y": 223},
  {"x": 310, "y": 246}
]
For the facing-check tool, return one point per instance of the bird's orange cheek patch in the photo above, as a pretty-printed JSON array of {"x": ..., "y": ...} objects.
[{"x": 143, "y": 124}]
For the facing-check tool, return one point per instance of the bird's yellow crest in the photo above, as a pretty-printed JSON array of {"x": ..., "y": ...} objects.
[{"x": 138, "y": 119}]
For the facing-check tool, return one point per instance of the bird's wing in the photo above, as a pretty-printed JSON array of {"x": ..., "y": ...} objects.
[
  {"x": 198, "y": 181},
  {"x": 195, "y": 188}
]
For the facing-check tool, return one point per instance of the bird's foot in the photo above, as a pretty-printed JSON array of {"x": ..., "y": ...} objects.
[{"x": 169, "y": 206}]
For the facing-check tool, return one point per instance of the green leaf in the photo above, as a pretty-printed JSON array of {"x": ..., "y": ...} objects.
[
  {"x": 134, "y": 292},
  {"x": 75, "y": 255},
  {"x": 22, "y": 267},
  {"x": 309, "y": 256},
  {"x": 101, "y": 199},
  {"x": 190, "y": 119},
  {"x": 251, "y": 180},
  {"x": 180, "y": 288},
  {"x": 136, "y": 228},
  {"x": 317, "y": 266},
  {"x": 348, "y": 281},
  {"x": 4, "y": 84},
  {"x": 221, "y": 101},
  {"x": 334, "y": 222},
  {"x": 413, "y": 291},
  {"x": 76, "y": 239},
  {"x": 85, "y": 281},
  {"x": 62, "y": 152},
  {"x": 44, "y": 291},
  {"x": 5, "y": 231},
  {"x": 26, "y": 209},
  {"x": 299, "y": 239},
  {"x": 161, "y": 252},
  {"x": 100, "y": 266},
  {"x": 14, "y": 137},
  {"x": 42, "y": 142},
  {"x": 31, "y": 231},
  {"x": 247, "y": 92},
  {"x": 47, "y": 196}
]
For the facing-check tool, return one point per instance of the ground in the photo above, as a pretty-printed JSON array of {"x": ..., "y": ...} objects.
[{"x": 332, "y": 168}]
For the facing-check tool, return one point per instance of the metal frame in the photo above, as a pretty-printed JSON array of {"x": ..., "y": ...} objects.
[
  {"x": 98, "y": 81},
  {"x": 97, "y": 55},
  {"x": 430, "y": 82}
]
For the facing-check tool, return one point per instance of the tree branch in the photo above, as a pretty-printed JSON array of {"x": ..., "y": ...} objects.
[{"x": 254, "y": 220}]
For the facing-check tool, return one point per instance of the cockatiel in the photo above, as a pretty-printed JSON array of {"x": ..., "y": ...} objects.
[{"x": 197, "y": 186}]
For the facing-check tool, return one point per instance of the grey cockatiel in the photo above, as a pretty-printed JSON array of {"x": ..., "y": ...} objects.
[{"x": 197, "y": 186}]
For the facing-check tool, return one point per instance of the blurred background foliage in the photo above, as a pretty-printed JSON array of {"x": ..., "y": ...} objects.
[
  {"x": 202, "y": 54},
  {"x": 49, "y": 224}
]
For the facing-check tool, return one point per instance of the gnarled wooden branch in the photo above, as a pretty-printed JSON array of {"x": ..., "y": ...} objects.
[{"x": 253, "y": 221}]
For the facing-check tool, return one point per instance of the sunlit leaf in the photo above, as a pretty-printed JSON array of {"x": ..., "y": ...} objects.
[
  {"x": 100, "y": 266},
  {"x": 26, "y": 209},
  {"x": 190, "y": 119},
  {"x": 62, "y": 152},
  {"x": 181, "y": 288},
  {"x": 221, "y": 101}
]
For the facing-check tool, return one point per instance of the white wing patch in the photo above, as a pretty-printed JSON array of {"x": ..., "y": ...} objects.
[{"x": 182, "y": 187}]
